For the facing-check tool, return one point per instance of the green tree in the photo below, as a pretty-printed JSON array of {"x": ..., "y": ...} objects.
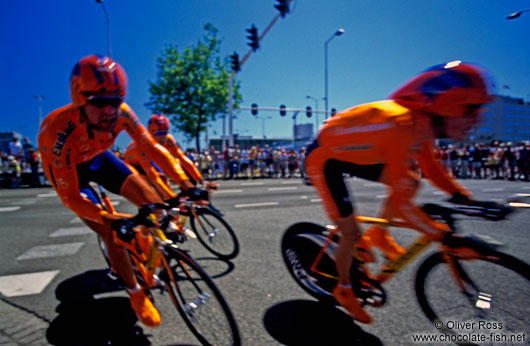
[{"x": 192, "y": 86}]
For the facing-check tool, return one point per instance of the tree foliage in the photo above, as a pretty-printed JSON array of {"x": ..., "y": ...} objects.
[{"x": 192, "y": 85}]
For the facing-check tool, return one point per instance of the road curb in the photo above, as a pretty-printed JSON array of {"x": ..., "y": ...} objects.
[{"x": 19, "y": 327}]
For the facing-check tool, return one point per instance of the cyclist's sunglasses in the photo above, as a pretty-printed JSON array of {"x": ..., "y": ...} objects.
[
  {"x": 160, "y": 133},
  {"x": 104, "y": 101}
]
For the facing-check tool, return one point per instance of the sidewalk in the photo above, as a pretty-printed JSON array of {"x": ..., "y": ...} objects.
[{"x": 20, "y": 328}]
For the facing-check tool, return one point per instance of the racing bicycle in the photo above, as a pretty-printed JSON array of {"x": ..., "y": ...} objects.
[
  {"x": 207, "y": 223},
  {"x": 163, "y": 266},
  {"x": 466, "y": 279}
]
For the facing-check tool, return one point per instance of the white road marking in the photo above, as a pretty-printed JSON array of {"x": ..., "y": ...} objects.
[
  {"x": 76, "y": 220},
  {"x": 260, "y": 204},
  {"x": 8, "y": 209},
  {"x": 253, "y": 184},
  {"x": 304, "y": 197},
  {"x": 54, "y": 250},
  {"x": 116, "y": 203},
  {"x": 438, "y": 193},
  {"x": 495, "y": 189},
  {"x": 44, "y": 195},
  {"x": 26, "y": 284},
  {"x": 286, "y": 188},
  {"x": 292, "y": 182},
  {"x": 63, "y": 232},
  {"x": 316, "y": 200},
  {"x": 229, "y": 191},
  {"x": 381, "y": 196}
]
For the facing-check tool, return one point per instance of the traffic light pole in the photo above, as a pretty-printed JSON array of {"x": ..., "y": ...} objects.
[{"x": 231, "y": 85}]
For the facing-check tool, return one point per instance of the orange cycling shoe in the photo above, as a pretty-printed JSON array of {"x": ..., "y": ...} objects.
[
  {"x": 348, "y": 300},
  {"x": 380, "y": 238},
  {"x": 144, "y": 309}
]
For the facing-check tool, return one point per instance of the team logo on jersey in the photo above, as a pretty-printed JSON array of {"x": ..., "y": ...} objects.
[{"x": 62, "y": 136}]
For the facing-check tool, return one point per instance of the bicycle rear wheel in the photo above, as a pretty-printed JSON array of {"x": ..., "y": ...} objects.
[
  {"x": 496, "y": 305},
  {"x": 198, "y": 300},
  {"x": 301, "y": 244},
  {"x": 215, "y": 234}
]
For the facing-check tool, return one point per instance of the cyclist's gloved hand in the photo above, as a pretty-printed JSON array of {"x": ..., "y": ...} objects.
[
  {"x": 124, "y": 229},
  {"x": 459, "y": 198},
  {"x": 196, "y": 194},
  {"x": 211, "y": 185}
]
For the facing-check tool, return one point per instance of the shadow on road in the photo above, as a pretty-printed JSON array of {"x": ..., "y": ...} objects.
[
  {"x": 86, "y": 320},
  {"x": 304, "y": 322},
  {"x": 215, "y": 267}
]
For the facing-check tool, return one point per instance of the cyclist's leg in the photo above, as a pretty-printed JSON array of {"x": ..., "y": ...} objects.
[
  {"x": 111, "y": 172},
  {"x": 326, "y": 176}
]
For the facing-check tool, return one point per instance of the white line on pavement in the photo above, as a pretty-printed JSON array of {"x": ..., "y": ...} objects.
[
  {"x": 54, "y": 250},
  {"x": 495, "y": 189},
  {"x": 291, "y": 182},
  {"x": 44, "y": 195},
  {"x": 253, "y": 184},
  {"x": 63, "y": 232},
  {"x": 25, "y": 284},
  {"x": 316, "y": 200},
  {"x": 229, "y": 191},
  {"x": 282, "y": 188},
  {"x": 304, "y": 197},
  {"x": 8, "y": 209},
  {"x": 261, "y": 204},
  {"x": 438, "y": 193},
  {"x": 76, "y": 220},
  {"x": 380, "y": 196}
]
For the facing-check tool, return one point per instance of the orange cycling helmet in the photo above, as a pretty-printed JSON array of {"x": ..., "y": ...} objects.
[
  {"x": 158, "y": 122},
  {"x": 95, "y": 74},
  {"x": 447, "y": 90}
]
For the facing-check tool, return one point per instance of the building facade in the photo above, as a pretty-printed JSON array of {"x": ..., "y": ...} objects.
[{"x": 506, "y": 119}]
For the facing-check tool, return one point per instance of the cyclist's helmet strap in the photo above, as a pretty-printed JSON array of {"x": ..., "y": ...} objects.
[
  {"x": 158, "y": 122},
  {"x": 94, "y": 75},
  {"x": 450, "y": 90}
]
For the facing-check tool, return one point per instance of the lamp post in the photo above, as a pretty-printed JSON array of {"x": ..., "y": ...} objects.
[
  {"x": 517, "y": 14},
  {"x": 39, "y": 99},
  {"x": 337, "y": 33},
  {"x": 108, "y": 27},
  {"x": 316, "y": 109}
]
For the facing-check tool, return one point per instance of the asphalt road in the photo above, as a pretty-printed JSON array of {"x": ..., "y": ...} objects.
[{"x": 51, "y": 270}]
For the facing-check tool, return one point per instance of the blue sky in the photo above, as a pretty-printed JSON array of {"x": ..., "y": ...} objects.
[{"x": 385, "y": 43}]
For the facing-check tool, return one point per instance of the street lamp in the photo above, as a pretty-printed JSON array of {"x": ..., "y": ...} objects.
[
  {"x": 39, "y": 99},
  {"x": 316, "y": 109},
  {"x": 108, "y": 26},
  {"x": 337, "y": 33},
  {"x": 517, "y": 14}
]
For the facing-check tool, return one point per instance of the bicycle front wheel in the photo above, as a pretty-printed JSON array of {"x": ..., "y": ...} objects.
[
  {"x": 494, "y": 308},
  {"x": 215, "y": 234},
  {"x": 198, "y": 300}
]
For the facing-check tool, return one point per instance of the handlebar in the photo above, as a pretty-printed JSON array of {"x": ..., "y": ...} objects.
[{"x": 486, "y": 210}]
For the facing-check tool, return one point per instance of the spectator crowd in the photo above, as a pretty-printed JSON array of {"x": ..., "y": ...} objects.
[
  {"x": 21, "y": 164},
  {"x": 495, "y": 160}
]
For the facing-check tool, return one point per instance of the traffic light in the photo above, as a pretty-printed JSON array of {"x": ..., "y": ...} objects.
[
  {"x": 308, "y": 111},
  {"x": 235, "y": 62},
  {"x": 283, "y": 7},
  {"x": 333, "y": 111},
  {"x": 254, "y": 109},
  {"x": 253, "y": 37},
  {"x": 283, "y": 112}
]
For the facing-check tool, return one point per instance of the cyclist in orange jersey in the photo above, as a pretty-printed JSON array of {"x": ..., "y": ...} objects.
[
  {"x": 74, "y": 142},
  {"x": 379, "y": 141},
  {"x": 158, "y": 127}
]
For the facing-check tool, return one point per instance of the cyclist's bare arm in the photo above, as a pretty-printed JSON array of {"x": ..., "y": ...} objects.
[{"x": 154, "y": 150}]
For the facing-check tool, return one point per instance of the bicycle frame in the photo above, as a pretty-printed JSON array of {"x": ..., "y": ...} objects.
[{"x": 390, "y": 267}]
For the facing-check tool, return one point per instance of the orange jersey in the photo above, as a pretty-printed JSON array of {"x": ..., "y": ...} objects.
[
  {"x": 65, "y": 142},
  {"x": 135, "y": 157},
  {"x": 387, "y": 134},
  {"x": 188, "y": 166}
]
